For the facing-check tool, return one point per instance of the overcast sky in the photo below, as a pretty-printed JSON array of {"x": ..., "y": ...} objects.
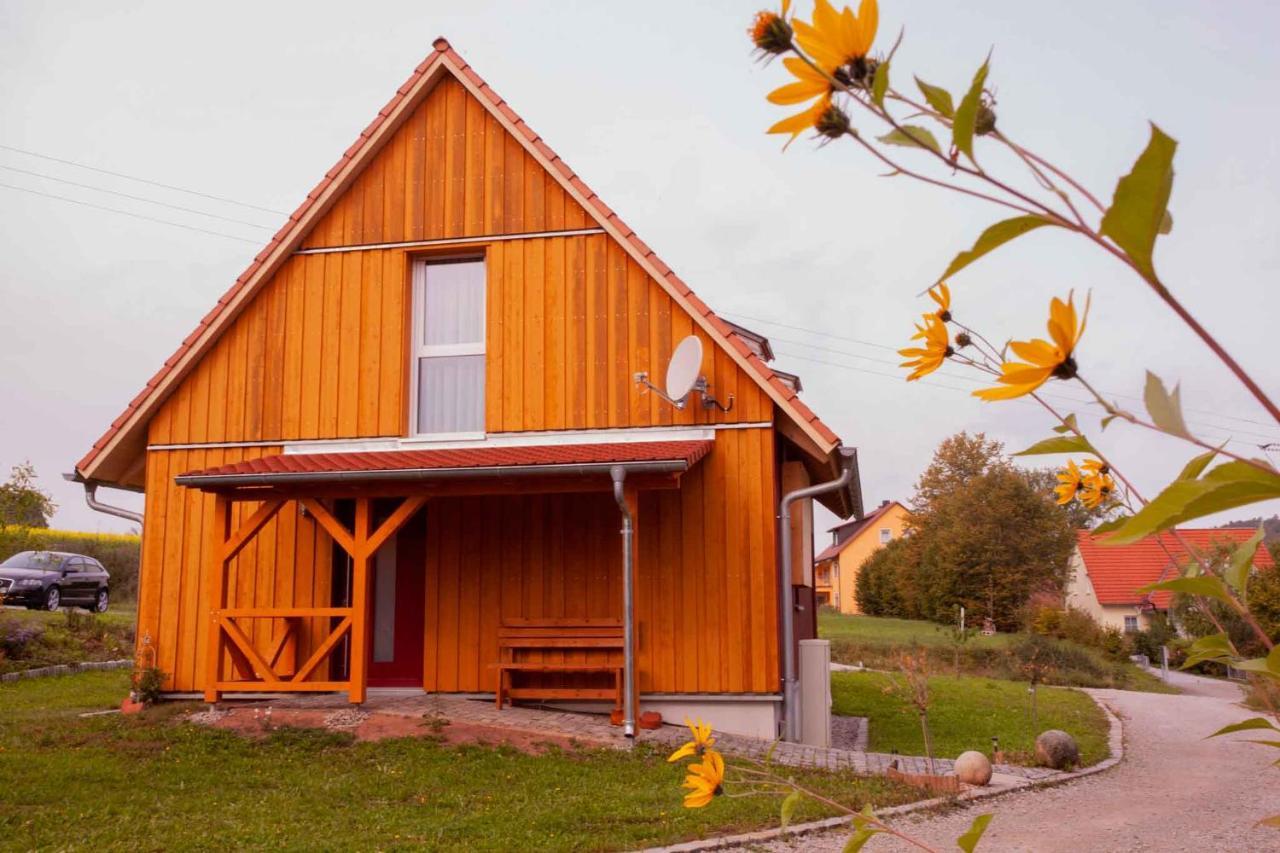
[{"x": 661, "y": 109}]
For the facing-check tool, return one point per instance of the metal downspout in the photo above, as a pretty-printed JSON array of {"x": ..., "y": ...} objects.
[
  {"x": 619, "y": 475},
  {"x": 790, "y": 715},
  {"x": 91, "y": 498}
]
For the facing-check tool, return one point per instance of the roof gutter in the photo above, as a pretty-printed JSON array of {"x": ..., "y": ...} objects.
[
  {"x": 790, "y": 699},
  {"x": 91, "y": 498},
  {"x": 214, "y": 481}
]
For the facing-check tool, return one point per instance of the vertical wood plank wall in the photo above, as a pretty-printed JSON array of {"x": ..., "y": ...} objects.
[
  {"x": 322, "y": 352},
  {"x": 706, "y": 606}
]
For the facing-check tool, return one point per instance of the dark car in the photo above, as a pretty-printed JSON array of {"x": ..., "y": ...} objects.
[{"x": 47, "y": 580}]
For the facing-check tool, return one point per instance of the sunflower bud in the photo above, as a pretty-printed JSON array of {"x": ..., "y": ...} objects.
[
  {"x": 770, "y": 32},
  {"x": 985, "y": 121},
  {"x": 832, "y": 122},
  {"x": 963, "y": 340}
]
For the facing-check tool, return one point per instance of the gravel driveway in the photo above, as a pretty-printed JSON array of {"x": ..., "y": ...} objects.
[{"x": 1174, "y": 790}]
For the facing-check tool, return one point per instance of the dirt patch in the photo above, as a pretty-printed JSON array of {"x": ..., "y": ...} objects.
[{"x": 259, "y": 722}]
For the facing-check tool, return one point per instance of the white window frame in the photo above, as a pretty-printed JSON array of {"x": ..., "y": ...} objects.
[
  {"x": 886, "y": 535},
  {"x": 419, "y": 350}
]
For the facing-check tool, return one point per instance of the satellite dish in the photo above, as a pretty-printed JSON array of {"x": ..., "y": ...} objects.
[{"x": 685, "y": 366}]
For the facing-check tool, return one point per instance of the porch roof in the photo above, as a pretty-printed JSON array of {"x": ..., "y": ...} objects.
[{"x": 494, "y": 461}]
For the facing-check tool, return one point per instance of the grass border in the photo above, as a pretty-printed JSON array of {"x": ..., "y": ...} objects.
[{"x": 1115, "y": 742}]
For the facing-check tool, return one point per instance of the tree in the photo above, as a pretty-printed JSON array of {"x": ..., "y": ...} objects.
[
  {"x": 22, "y": 503},
  {"x": 982, "y": 536},
  {"x": 958, "y": 459}
]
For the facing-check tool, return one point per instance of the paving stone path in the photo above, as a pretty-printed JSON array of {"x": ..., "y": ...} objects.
[{"x": 1174, "y": 790}]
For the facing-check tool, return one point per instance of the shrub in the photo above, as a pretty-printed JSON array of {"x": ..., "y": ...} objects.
[{"x": 16, "y": 636}]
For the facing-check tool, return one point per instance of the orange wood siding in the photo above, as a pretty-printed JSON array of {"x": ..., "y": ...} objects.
[
  {"x": 286, "y": 564},
  {"x": 705, "y": 588},
  {"x": 323, "y": 351},
  {"x": 450, "y": 170}
]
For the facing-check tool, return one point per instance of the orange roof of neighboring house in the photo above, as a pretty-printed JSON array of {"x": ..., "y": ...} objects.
[
  {"x": 290, "y": 236},
  {"x": 493, "y": 461},
  {"x": 858, "y": 527},
  {"x": 1118, "y": 571}
]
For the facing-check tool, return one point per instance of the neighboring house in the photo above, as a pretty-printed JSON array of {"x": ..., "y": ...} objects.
[
  {"x": 400, "y": 449},
  {"x": 836, "y": 568},
  {"x": 1105, "y": 579}
]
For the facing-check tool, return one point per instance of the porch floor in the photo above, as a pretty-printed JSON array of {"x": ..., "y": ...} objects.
[{"x": 594, "y": 729}]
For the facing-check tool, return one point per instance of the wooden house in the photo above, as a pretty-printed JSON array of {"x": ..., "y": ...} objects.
[{"x": 400, "y": 448}]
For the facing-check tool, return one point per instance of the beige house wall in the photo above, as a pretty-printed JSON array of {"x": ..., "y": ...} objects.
[
  {"x": 1081, "y": 596},
  {"x": 867, "y": 542}
]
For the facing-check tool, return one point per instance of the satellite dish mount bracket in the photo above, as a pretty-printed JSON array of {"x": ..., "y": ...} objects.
[{"x": 700, "y": 387}]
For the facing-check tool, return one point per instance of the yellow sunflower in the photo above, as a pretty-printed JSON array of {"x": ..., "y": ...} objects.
[
  {"x": 937, "y": 347},
  {"x": 702, "y": 740},
  {"x": 941, "y": 294},
  {"x": 1070, "y": 482},
  {"x": 802, "y": 121},
  {"x": 1041, "y": 360},
  {"x": 1096, "y": 491},
  {"x": 1095, "y": 468},
  {"x": 840, "y": 38},
  {"x": 704, "y": 781}
]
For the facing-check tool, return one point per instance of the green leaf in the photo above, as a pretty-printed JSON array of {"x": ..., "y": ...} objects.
[
  {"x": 1245, "y": 726},
  {"x": 1275, "y": 743},
  {"x": 789, "y": 807},
  {"x": 993, "y": 238},
  {"x": 1164, "y": 407},
  {"x": 1230, "y": 485},
  {"x": 880, "y": 84},
  {"x": 1141, "y": 201},
  {"x": 1209, "y": 586},
  {"x": 1106, "y": 422},
  {"x": 1059, "y": 444},
  {"x": 1270, "y": 665},
  {"x": 1070, "y": 425},
  {"x": 1166, "y": 223},
  {"x": 859, "y": 839},
  {"x": 967, "y": 113},
  {"x": 1241, "y": 564},
  {"x": 911, "y": 136},
  {"x": 1195, "y": 467},
  {"x": 970, "y": 839},
  {"x": 768, "y": 753},
  {"x": 1215, "y": 647},
  {"x": 938, "y": 98}
]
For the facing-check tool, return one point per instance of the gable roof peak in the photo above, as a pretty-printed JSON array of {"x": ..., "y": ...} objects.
[{"x": 125, "y": 438}]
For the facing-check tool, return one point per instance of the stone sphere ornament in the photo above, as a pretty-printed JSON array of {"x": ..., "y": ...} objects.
[
  {"x": 973, "y": 768},
  {"x": 1057, "y": 749}
]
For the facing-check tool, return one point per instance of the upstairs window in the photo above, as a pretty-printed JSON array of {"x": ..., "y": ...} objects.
[
  {"x": 886, "y": 535},
  {"x": 448, "y": 349}
]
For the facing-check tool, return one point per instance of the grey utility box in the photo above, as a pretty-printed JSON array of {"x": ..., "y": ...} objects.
[{"x": 815, "y": 692}]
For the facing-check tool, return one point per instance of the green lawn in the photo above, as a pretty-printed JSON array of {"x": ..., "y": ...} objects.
[
  {"x": 36, "y": 638},
  {"x": 151, "y": 782},
  {"x": 964, "y": 713},
  {"x": 875, "y": 641}
]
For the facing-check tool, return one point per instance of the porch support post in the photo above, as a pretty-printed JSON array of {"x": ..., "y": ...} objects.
[
  {"x": 360, "y": 580},
  {"x": 215, "y": 592},
  {"x": 627, "y": 498}
]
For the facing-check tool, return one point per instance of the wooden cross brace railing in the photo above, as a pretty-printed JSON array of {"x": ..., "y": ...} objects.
[{"x": 226, "y": 637}]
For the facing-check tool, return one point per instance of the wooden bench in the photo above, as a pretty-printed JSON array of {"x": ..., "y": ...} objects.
[{"x": 519, "y": 638}]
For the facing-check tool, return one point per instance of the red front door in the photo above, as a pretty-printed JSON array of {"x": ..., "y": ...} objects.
[{"x": 397, "y": 602}]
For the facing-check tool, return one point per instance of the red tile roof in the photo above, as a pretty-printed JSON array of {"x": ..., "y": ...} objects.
[
  {"x": 1117, "y": 571},
  {"x": 554, "y": 458},
  {"x": 293, "y": 231}
]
